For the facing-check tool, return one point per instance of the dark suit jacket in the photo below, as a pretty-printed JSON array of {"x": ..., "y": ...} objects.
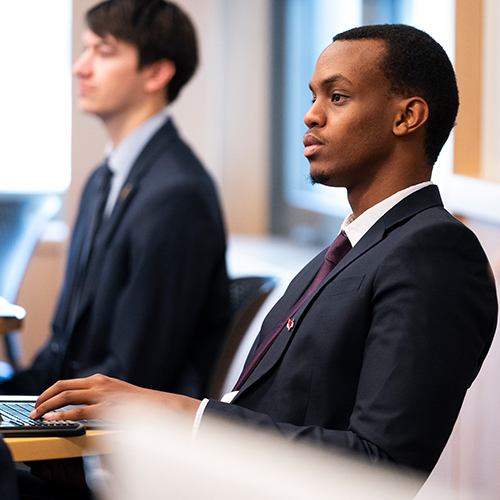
[
  {"x": 381, "y": 355},
  {"x": 154, "y": 306},
  {"x": 8, "y": 479}
]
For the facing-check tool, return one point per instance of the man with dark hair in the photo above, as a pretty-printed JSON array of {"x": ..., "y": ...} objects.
[
  {"x": 427, "y": 72},
  {"x": 158, "y": 29},
  {"x": 145, "y": 298},
  {"x": 376, "y": 341}
]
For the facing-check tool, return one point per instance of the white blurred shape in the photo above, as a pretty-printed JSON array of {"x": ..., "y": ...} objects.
[
  {"x": 35, "y": 119},
  {"x": 156, "y": 459}
]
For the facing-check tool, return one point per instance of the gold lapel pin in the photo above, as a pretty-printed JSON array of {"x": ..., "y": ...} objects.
[{"x": 125, "y": 192}]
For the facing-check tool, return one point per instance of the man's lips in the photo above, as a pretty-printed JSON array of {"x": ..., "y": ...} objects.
[
  {"x": 311, "y": 145},
  {"x": 84, "y": 89}
]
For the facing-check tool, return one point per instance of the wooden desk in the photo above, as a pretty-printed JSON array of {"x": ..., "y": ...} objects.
[
  {"x": 50, "y": 448},
  {"x": 11, "y": 316}
]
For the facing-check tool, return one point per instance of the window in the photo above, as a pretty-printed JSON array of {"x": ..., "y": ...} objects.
[{"x": 35, "y": 90}]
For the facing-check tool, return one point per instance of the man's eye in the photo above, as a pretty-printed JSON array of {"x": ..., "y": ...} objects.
[
  {"x": 105, "y": 50},
  {"x": 337, "y": 97}
]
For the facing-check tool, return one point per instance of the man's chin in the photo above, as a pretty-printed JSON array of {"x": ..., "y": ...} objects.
[
  {"x": 319, "y": 178},
  {"x": 89, "y": 108},
  {"x": 86, "y": 108}
]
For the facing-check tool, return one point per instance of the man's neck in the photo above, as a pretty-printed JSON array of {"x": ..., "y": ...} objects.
[
  {"x": 361, "y": 198},
  {"x": 120, "y": 126}
]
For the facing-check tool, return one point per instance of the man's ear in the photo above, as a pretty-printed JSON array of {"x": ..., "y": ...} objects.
[
  {"x": 158, "y": 75},
  {"x": 412, "y": 114}
]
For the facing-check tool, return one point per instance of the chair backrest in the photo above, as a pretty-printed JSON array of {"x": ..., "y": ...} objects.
[
  {"x": 247, "y": 294},
  {"x": 22, "y": 222}
]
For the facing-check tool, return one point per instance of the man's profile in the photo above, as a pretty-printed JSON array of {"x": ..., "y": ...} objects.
[
  {"x": 145, "y": 297},
  {"x": 375, "y": 342}
]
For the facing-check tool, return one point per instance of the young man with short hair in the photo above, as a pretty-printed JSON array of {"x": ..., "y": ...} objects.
[
  {"x": 145, "y": 297},
  {"x": 376, "y": 341}
]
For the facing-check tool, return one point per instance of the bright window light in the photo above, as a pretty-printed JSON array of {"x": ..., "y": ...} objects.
[{"x": 35, "y": 93}]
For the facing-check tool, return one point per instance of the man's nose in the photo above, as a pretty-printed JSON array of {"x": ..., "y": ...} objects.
[{"x": 314, "y": 116}]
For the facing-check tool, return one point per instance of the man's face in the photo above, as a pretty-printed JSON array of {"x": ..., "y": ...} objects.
[
  {"x": 351, "y": 118},
  {"x": 110, "y": 83}
]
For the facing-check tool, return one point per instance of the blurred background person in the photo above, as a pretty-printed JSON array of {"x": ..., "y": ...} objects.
[{"x": 145, "y": 297}]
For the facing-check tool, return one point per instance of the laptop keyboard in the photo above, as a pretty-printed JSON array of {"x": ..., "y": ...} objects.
[{"x": 16, "y": 422}]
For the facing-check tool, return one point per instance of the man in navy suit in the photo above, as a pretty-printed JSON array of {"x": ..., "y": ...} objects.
[
  {"x": 145, "y": 298},
  {"x": 375, "y": 354}
]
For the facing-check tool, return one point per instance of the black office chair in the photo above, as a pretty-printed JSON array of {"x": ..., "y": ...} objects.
[
  {"x": 22, "y": 222},
  {"x": 247, "y": 295}
]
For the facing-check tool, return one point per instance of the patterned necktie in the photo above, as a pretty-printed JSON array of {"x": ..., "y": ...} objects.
[{"x": 335, "y": 253}]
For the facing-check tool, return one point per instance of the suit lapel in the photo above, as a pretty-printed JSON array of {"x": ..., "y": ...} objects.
[
  {"x": 161, "y": 140},
  {"x": 399, "y": 214},
  {"x": 281, "y": 343},
  {"x": 294, "y": 291},
  {"x": 65, "y": 311}
]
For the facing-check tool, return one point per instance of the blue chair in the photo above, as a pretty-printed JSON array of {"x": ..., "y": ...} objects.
[{"x": 22, "y": 222}]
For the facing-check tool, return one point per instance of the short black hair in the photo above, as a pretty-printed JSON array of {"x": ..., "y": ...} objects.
[
  {"x": 157, "y": 28},
  {"x": 415, "y": 64}
]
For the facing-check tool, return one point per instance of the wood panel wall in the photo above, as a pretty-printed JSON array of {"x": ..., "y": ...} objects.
[{"x": 468, "y": 66}]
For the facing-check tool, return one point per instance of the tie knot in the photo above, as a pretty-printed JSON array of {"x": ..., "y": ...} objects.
[
  {"x": 106, "y": 172},
  {"x": 338, "y": 249},
  {"x": 105, "y": 175}
]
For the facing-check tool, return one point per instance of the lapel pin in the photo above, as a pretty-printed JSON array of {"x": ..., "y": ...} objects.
[
  {"x": 125, "y": 192},
  {"x": 289, "y": 324}
]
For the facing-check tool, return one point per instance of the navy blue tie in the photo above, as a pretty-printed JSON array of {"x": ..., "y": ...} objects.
[{"x": 101, "y": 184}]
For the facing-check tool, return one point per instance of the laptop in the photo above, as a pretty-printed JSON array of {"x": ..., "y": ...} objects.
[{"x": 15, "y": 420}]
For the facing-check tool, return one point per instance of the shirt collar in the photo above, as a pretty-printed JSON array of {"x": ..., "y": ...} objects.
[
  {"x": 356, "y": 228},
  {"x": 121, "y": 159}
]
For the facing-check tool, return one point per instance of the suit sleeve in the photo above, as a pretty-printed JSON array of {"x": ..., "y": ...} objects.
[{"x": 433, "y": 314}]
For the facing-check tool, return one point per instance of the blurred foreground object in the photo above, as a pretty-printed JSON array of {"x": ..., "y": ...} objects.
[{"x": 158, "y": 459}]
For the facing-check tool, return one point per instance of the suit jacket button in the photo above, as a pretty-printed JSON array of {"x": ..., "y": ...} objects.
[{"x": 55, "y": 346}]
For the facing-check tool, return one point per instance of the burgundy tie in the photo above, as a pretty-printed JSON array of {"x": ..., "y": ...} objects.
[{"x": 338, "y": 249}]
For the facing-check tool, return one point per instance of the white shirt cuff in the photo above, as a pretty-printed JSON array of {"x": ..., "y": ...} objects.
[
  {"x": 227, "y": 398},
  {"x": 197, "y": 418}
]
